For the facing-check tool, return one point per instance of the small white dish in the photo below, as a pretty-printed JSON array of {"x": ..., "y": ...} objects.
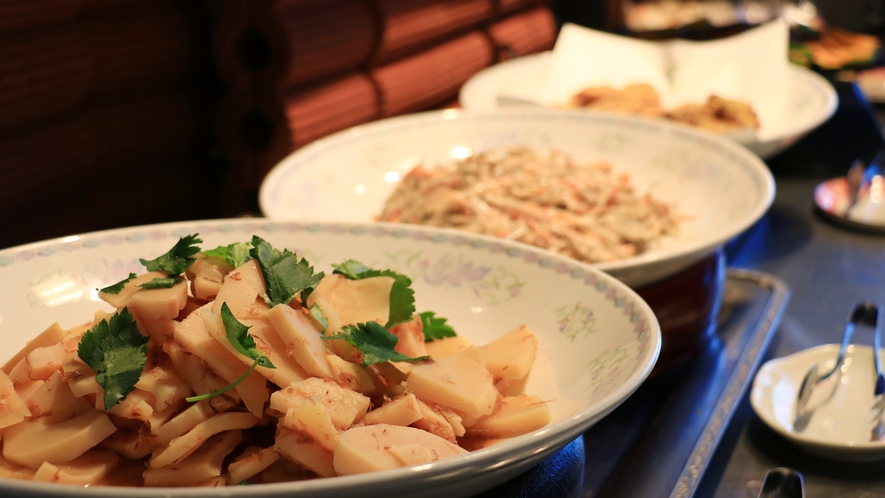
[
  {"x": 812, "y": 99},
  {"x": 841, "y": 426},
  {"x": 868, "y": 213}
]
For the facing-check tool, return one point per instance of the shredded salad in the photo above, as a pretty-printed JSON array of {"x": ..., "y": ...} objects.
[{"x": 585, "y": 211}]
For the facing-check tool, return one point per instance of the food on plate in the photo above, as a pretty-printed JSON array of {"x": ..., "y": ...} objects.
[
  {"x": 637, "y": 98},
  {"x": 716, "y": 114},
  {"x": 835, "y": 48},
  {"x": 585, "y": 211},
  {"x": 243, "y": 365}
]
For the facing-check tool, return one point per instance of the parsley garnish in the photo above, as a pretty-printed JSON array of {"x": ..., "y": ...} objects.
[
  {"x": 402, "y": 297},
  {"x": 178, "y": 259},
  {"x": 320, "y": 317},
  {"x": 376, "y": 344},
  {"x": 116, "y": 351},
  {"x": 352, "y": 269},
  {"x": 234, "y": 254},
  {"x": 238, "y": 335},
  {"x": 284, "y": 274},
  {"x": 161, "y": 283},
  {"x": 435, "y": 328},
  {"x": 118, "y": 287}
]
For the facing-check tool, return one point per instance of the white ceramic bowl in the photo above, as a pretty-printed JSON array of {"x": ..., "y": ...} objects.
[
  {"x": 841, "y": 426},
  {"x": 812, "y": 99},
  {"x": 597, "y": 339},
  {"x": 720, "y": 186}
]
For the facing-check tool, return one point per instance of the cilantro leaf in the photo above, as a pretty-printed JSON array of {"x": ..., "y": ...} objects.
[
  {"x": 178, "y": 259},
  {"x": 238, "y": 335},
  {"x": 352, "y": 269},
  {"x": 117, "y": 352},
  {"x": 284, "y": 274},
  {"x": 402, "y": 297},
  {"x": 161, "y": 283},
  {"x": 376, "y": 344},
  {"x": 234, "y": 254},
  {"x": 320, "y": 317},
  {"x": 118, "y": 287},
  {"x": 434, "y": 327}
]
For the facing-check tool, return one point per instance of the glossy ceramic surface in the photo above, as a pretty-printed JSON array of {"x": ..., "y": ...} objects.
[
  {"x": 868, "y": 213},
  {"x": 812, "y": 99},
  {"x": 842, "y": 423},
  {"x": 597, "y": 339},
  {"x": 719, "y": 187}
]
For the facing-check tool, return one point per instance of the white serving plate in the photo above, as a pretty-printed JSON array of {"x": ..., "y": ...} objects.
[
  {"x": 597, "y": 339},
  {"x": 841, "y": 426},
  {"x": 519, "y": 81},
  {"x": 718, "y": 185}
]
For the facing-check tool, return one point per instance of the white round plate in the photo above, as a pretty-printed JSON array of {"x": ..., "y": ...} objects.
[
  {"x": 842, "y": 423},
  {"x": 719, "y": 186},
  {"x": 812, "y": 98},
  {"x": 597, "y": 339}
]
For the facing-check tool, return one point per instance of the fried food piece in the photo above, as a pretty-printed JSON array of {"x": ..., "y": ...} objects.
[
  {"x": 837, "y": 48},
  {"x": 717, "y": 114},
  {"x": 638, "y": 98}
]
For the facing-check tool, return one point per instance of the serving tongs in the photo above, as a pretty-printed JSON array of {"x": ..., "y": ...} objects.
[
  {"x": 860, "y": 175},
  {"x": 782, "y": 482},
  {"x": 864, "y": 313}
]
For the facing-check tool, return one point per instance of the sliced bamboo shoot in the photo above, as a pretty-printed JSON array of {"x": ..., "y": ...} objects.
[
  {"x": 460, "y": 381},
  {"x": 511, "y": 355},
  {"x": 357, "y": 301},
  {"x": 155, "y": 304},
  {"x": 195, "y": 338},
  {"x": 182, "y": 446},
  {"x": 251, "y": 462},
  {"x": 343, "y": 405},
  {"x": 311, "y": 419},
  {"x": 31, "y": 443},
  {"x": 242, "y": 290},
  {"x": 48, "y": 337},
  {"x": 404, "y": 410},
  {"x": 201, "y": 468},
  {"x": 512, "y": 417},
  {"x": 373, "y": 448},
  {"x": 303, "y": 342},
  {"x": 303, "y": 450},
  {"x": 89, "y": 468},
  {"x": 12, "y": 407}
]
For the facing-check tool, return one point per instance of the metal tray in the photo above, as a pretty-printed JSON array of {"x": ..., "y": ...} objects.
[{"x": 662, "y": 439}]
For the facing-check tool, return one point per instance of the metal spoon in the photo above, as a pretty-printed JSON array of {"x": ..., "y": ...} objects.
[
  {"x": 863, "y": 313},
  {"x": 782, "y": 482}
]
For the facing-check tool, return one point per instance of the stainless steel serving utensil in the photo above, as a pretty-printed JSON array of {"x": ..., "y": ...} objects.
[
  {"x": 860, "y": 175},
  {"x": 782, "y": 482},
  {"x": 878, "y": 433},
  {"x": 864, "y": 313}
]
